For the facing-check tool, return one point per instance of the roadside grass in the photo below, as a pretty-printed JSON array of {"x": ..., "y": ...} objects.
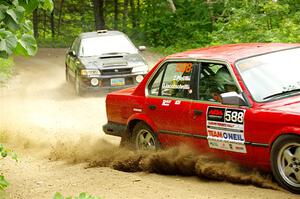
[
  {"x": 6, "y": 69},
  {"x": 81, "y": 196}
]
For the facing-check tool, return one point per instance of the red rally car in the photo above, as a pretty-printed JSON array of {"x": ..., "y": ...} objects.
[{"x": 240, "y": 102}]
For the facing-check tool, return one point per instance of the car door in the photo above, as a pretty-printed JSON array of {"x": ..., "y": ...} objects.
[
  {"x": 219, "y": 128},
  {"x": 168, "y": 101}
]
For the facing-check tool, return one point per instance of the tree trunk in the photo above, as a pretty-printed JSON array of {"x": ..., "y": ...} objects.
[
  {"x": 133, "y": 14},
  {"x": 99, "y": 14},
  {"x": 60, "y": 16},
  {"x": 35, "y": 21},
  {"x": 172, "y": 5},
  {"x": 211, "y": 14},
  {"x": 125, "y": 15},
  {"x": 116, "y": 14},
  {"x": 52, "y": 24}
]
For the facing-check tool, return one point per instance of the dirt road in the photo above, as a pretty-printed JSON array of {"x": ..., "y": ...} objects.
[{"x": 59, "y": 140}]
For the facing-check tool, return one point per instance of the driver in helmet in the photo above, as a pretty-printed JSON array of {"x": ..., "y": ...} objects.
[{"x": 224, "y": 84}]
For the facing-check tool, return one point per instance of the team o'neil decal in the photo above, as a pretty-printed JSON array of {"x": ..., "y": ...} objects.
[{"x": 225, "y": 129}]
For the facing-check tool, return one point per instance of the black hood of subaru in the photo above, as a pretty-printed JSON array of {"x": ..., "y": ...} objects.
[{"x": 111, "y": 60}]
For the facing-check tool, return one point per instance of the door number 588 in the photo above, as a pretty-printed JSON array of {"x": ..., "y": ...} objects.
[{"x": 234, "y": 116}]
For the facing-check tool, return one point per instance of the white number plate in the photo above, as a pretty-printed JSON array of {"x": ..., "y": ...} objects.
[{"x": 117, "y": 81}]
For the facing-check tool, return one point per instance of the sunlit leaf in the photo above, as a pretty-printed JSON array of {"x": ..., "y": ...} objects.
[{"x": 26, "y": 46}]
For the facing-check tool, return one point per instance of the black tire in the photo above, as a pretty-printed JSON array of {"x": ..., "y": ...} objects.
[
  {"x": 78, "y": 88},
  {"x": 143, "y": 138},
  {"x": 67, "y": 75},
  {"x": 285, "y": 162}
]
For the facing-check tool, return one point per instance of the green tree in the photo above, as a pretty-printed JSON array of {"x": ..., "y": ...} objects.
[{"x": 16, "y": 33}]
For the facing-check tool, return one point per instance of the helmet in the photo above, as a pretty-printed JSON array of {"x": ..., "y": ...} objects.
[{"x": 223, "y": 78}]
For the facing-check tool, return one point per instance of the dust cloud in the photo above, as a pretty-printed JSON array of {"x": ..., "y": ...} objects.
[{"x": 179, "y": 160}]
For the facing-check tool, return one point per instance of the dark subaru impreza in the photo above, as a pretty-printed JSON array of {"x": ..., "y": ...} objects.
[{"x": 104, "y": 59}]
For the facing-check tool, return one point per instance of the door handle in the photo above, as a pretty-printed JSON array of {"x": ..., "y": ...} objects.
[
  {"x": 198, "y": 112},
  {"x": 152, "y": 107}
]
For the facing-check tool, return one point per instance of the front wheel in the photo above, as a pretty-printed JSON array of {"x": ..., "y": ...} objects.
[
  {"x": 67, "y": 74},
  {"x": 143, "y": 138},
  {"x": 285, "y": 162},
  {"x": 78, "y": 88}
]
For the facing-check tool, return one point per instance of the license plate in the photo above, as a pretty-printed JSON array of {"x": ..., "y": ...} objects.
[{"x": 117, "y": 82}]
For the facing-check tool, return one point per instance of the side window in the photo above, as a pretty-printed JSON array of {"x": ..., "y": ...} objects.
[
  {"x": 154, "y": 86},
  {"x": 75, "y": 45},
  {"x": 174, "y": 80},
  {"x": 215, "y": 79}
]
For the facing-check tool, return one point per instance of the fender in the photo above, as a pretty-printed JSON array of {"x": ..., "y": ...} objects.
[
  {"x": 284, "y": 131},
  {"x": 143, "y": 117}
]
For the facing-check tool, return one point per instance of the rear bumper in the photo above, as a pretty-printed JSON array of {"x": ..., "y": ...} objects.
[{"x": 115, "y": 129}]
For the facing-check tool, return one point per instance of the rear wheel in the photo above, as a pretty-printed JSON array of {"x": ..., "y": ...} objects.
[
  {"x": 143, "y": 138},
  {"x": 285, "y": 162}
]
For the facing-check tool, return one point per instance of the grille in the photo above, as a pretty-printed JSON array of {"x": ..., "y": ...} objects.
[
  {"x": 116, "y": 71},
  {"x": 114, "y": 63}
]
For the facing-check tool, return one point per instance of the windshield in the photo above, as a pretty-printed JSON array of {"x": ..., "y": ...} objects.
[
  {"x": 271, "y": 74},
  {"x": 96, "y": 46}
]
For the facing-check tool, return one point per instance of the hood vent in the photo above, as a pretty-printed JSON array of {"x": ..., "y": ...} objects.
[{"x": 109, "y": 57}]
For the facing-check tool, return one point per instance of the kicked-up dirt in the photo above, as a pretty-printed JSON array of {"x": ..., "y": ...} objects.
[{"x": 61, "y": 147}]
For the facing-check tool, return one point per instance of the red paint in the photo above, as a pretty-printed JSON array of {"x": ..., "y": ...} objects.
[{"x": 264, "y": 122}]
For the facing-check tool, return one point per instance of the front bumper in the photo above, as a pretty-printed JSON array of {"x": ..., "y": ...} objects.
[
  {"x": 105, "y": 81},
  {"x": 115, "y": 129}
]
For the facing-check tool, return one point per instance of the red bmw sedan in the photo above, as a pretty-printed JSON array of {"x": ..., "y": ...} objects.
[{"x": 240, "y": 102}]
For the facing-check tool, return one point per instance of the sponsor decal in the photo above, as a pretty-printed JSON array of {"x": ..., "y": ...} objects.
[
  {"x": 166, "y": 102},
  {"x": 177, "y": 102},
  {"x": 184, "y": 67},
  {"x": 175, "y": 86},
  {"x": 139, "y": 110},
  {"x": 234, "y": 147},
  {"x": 178, "y": 78},
  {"x": 225, "y": 129}
]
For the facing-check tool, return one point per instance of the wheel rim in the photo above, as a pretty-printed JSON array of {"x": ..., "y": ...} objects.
[
  {"x": 145, "y": 140},
  {"x": 288, "y": 163}
]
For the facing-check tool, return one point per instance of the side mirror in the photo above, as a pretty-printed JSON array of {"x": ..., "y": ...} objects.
[
  {"x": 72, "y": 53},
  {"x": 142, "y": 48},
  {"x": 233, "y": 98}
]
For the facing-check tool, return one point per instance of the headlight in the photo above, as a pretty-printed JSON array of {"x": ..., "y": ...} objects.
[
  {"x": 139, "y": 78},
  {"x": 87, "y": 72},
  {"x": 143, "y": 68}
]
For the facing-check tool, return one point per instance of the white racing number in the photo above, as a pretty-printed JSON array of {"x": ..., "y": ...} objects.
[{"x": 234, "y": 116}]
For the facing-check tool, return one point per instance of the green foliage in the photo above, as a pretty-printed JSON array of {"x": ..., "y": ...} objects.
[
  {"x": 81, "y": 196},
  {"x": 5, "y": 70},
  {"x": 15, "y": 30},
  {"x": 268, "y": 21},
  {"x": 195, "y": 23},
  {"x": 187, "y": 27},
  {"x": 3, "y": 183},
  {"x": 3, "y": 154}
]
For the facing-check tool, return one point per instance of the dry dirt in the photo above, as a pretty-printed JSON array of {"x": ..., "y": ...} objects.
[{"x": 62, "y": 148}]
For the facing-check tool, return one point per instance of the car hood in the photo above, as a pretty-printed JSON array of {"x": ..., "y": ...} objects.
[
  {"x": 287, "y": 105},
  {"x": 112, "y": 60}
]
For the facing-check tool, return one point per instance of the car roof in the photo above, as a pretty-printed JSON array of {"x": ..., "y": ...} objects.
[
  {"x": 233, "y": 52},
  {"x": 100, "y": 34}
]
